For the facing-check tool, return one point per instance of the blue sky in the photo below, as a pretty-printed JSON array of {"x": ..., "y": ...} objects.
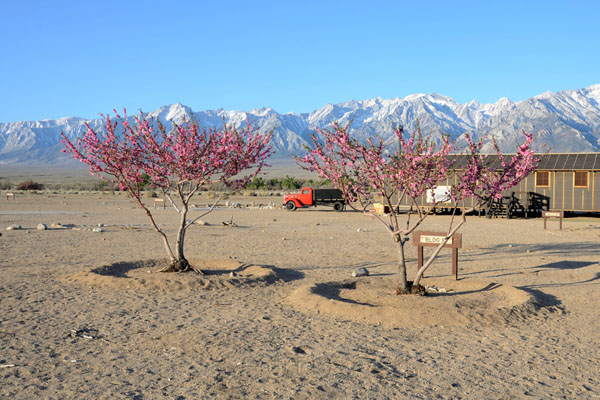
[{"x": 80, "y": 58}]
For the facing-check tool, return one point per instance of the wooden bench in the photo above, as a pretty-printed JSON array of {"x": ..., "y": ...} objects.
[
  {"x": 159, "y": 201},
  {"x": 10, "y": 195}
]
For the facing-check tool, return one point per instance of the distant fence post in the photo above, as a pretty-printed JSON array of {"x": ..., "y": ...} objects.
[
  {"x": 553, "y": 214},
  {"x": 433, "y": 239}
]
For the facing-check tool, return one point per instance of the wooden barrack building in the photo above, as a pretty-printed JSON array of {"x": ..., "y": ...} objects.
[{"x": 562, "y": 182}]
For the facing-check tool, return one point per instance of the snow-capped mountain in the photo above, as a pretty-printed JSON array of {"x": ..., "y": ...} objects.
[{"x": 567, "y": 121}]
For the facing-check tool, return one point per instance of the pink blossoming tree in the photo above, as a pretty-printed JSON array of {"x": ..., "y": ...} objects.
[
  {"x": 365, "y": 172},
  {"x": 178, "y": 163}
]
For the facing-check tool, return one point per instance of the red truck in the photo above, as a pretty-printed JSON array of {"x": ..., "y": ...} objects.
[{"x": 315, "y": 197}]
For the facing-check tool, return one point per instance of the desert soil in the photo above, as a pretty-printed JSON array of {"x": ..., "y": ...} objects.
[{"x": 86, "y": 314}]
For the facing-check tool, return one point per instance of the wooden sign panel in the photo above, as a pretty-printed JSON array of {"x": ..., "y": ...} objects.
[
  {"x": 433, "y": 239},
  {"x": 553, "y": 214}
]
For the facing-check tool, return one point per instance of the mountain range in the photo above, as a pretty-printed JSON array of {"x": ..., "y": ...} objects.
[{"x": 566, "y": 121}]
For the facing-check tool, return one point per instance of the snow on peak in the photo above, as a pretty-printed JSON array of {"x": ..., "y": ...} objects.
[
  {"x": 178, "y": 112},
  {"x": 593, "y": 92},
  {"x": 546, "y": 95},
  {"x": 440, "y": 98},
  {"x": 415, "y": 96},
  {"x": 261, "y": 112}
]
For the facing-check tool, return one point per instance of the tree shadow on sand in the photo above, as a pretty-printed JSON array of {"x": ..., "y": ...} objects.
[
  {"x": 120, "y": 269},
  {"x": 544, "y": 300},
  {"x": 331, "y": 290},
  {"x": 558, "y": 265},
  {"x": 490, "y": 287},
  {"x": 541, "y": 300},
  {"x": 221, "y": 269},
  {"x": 535, "y": 250}
]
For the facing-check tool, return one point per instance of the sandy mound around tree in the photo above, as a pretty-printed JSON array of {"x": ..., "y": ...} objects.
[
  {"x": 145, "y": 275},
  {"x": 371, "y": 300}
]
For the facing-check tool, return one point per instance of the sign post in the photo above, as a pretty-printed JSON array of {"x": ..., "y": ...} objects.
[
  {"x": 433, "y": 239},
  {"x": 553, "y": 214}
]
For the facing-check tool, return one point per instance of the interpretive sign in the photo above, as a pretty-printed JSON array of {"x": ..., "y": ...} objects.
[
  {"x": 434, "y": 239},
  {"x": 439, "y": 194}
]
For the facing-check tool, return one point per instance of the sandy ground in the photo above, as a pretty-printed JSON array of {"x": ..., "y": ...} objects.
[{"x": 87, "y": 315}]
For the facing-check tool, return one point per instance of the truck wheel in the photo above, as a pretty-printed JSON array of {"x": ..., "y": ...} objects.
[
  {"x": 338, "y": 206},
  {"x": 290, "y": 205}
]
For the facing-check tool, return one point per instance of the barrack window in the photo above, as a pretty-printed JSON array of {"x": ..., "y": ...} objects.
[
  {"x": 581, "y": 179},
  {"x": 542, "y": 178}
]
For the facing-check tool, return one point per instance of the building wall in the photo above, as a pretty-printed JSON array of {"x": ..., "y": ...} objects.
[{"x": 562, "y": 192}]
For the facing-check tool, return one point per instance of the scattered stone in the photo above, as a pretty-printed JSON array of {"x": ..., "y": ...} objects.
[
  {"x": 233, "y": 274},
  {"x": 274, "y": 219},
  {"x": 435, "y": 289},
  {"x": 360, "y": 230},
  {"x": 7, "y": 365},
  {"x": 317, "y": 224},
  {"x": 0, "y": 233},
  {"x": 360, "y": 272},
  {"x": 100, "y": 225},
  {"x": 283, "y": 238},
  {"x": 298, "y": 350},
  {"x": 14, "y": 227},
  {"x": 510, "y": 245},
  {"x": 42, "y": 227},
  {"x": 527, "y": 251},
  {"x": 99, "y": 230},
  {"x": 86, "y": 333},
  {"x": 230, "y": 222},
  {"x": 201, "y": 222}
]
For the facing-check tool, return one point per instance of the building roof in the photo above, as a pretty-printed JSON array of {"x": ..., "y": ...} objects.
[{"x": 550, "y": 161}]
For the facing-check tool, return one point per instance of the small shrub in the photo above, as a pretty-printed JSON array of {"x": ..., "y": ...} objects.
[
  {"x": 290, "y": 183},
  {"x": 274, "y": 183},
  {"x": 257, "y": 183},
  {"x": 30, "y": 185},
  {"x": 5, "y": 185}
]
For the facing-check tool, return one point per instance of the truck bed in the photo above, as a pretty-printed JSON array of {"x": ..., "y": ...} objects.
[{"x": 328, "y": 195}]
